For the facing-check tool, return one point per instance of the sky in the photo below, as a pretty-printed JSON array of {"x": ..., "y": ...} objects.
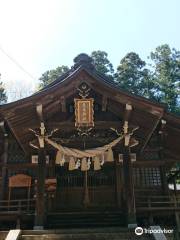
[{"x": 39, "y": 35}]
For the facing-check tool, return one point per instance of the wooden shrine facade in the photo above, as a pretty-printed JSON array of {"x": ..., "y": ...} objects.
[{"x": 82, "y": 143}]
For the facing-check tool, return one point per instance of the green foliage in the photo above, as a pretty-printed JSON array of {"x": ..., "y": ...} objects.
[
  {"x": 166, "y": 66},
  {"x": 102, "y": 63},
  {"x": 159, "y": 81},
  {"x": 133, "y": 76},
  {"x": 3, "y": 97},
  {"x": 100, "y": 60},
  {"x": 51, "y": 75}
]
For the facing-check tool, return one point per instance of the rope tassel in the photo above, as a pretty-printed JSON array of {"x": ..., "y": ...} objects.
[
  {"x": 78, "y": 164},
  {"x": 97, "y": 164},
  {"x": 84, "y": 166},
  {"x": 109, "y": 155},
  {"x": 58, "y": 157},
  {"x": 72, "y": 164}
]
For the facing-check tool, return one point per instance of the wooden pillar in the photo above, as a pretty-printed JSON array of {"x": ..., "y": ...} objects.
[
  {"x": 4, "y": 168},
  {"x": 86, "y": 190},
  {"x": 118, "y": 184},
  {"x": 164, "y": 180},
  {"x": 130, "y": 209},
  {"x": 175, "y": 186},
  {"x": 40, "y": 195},
  {"x": 161, "y": 140},
  {"x": 129, "y": 197},
  {"x": 41, "y": 173}
]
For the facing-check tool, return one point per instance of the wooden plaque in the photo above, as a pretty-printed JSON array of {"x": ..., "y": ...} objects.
[
  {"x": 20, "y": 180},
  {"x": 84, "y": 112}
]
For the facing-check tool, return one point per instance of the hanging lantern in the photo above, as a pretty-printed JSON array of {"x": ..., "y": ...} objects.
[{"x": 84, "y": 113}]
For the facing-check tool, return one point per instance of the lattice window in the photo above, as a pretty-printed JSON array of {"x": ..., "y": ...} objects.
[
  {"x": 151, "y": 155},
  {"x": 71, "y": 179},
  {"x": 101, "y": 179},
  {"x": 147, "y": 177},
  {"x": 104, "y": 177},
  {"x": 15, "y": 153}
]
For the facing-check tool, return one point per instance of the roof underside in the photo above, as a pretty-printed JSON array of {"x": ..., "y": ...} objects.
[{"x": 21, "y": 115}]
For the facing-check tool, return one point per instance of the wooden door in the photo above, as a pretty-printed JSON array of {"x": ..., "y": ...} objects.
[{"x": 100, "y": 188}]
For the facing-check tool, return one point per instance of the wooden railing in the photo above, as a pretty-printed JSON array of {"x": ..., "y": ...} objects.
[
  {"x": 153, "y": 203},
  {"x": 21, "y": 206}
]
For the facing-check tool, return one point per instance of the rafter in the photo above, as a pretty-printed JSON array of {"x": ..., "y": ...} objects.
[
  {"x": 151, "y": 133},
  {"x": 3, "y": 128},
  {"x": 104, "y": 103},
  {"x": 63, "y": 104}
]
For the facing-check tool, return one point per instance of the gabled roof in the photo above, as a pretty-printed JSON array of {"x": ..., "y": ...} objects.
[
  {"x": 21, "y": 114},
  {"x": 83, "y": 63}
]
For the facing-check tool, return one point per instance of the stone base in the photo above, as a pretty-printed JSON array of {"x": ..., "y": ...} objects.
[
  {"x": 132, "y": 225},
  {"x": 38, "y": 228}
]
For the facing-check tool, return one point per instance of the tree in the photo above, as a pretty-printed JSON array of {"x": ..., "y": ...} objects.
[
  {"x": 132, "y": 76},
  {"x": 51, "y": 75},
  {"x": 102, "y": 63},
  {"x": 3, "y": 97},
  {"x": 166, "y": 66},
  {"x": 18, "y": 89},
  {"x": 100, "y": 60}
]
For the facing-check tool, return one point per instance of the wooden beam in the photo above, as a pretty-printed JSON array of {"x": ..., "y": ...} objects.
[
  {"x": 39, "y": 110},
  {"x": 124, "y": 98},
  {"x": 16, "y": 135},
  {"x": 153, "y": 163},
  {"x": 127, "y": 171},
  {"x": 119, "y": 185},
  {"x": 4, "y": 161},
  {"x": 161, "y": 142},
  {"x": 161, "y": 138},
  {"x": 104, "y": 103},
  {"x": 173, "y": 128},
  {"x": 150, "y": 163},
  {"x": 63, "y": 103},
  {"x": 41, "y": 173},
  {"x": 150, "y": 133},
  {"x": 16, "y": 166},
  {"x": 40, "y": 195},
  {"x": 173, "y": 155},
  {"x": 67, "y": 125},
  {"x": 127, "y": 113},
  {"x": 129, "y": 187}
]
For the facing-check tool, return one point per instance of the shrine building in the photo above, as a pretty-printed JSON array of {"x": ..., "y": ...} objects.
[{"x": 84, "y": 152}]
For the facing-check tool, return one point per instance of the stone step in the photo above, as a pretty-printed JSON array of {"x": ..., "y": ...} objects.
[
  {"x": 84, "y": 219},
  {"x": 84, "y": 234},
  {"x": 95, "y": 236},
  {"x": 3, "y": 234}
]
